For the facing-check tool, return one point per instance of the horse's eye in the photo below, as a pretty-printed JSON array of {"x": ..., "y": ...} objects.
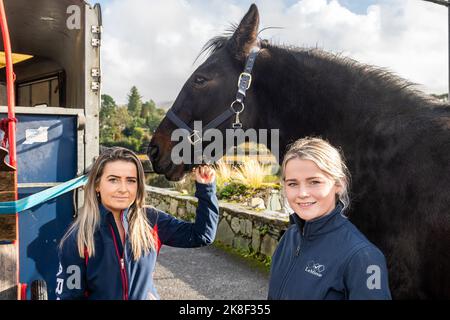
[{"x": 199, "y": 80}]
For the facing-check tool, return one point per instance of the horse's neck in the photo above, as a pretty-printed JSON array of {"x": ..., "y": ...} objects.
[
  {"x": 294, "y": 96},
  {"x": 302, "y": 96},
  {"x": 306, "y": 93}
]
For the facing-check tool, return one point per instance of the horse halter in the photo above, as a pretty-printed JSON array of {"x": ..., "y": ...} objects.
[{"x": 236, "y": 107}]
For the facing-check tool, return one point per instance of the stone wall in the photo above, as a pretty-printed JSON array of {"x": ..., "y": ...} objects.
[{"x": 240, "y": 228}]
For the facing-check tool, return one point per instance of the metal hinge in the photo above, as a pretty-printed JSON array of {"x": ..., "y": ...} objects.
[
  {"x": 95, "y": 85},
  {"x": 96, "y": 29},
  {"x": 95, "y": 72},
  {"x": 95, "y": 42}
]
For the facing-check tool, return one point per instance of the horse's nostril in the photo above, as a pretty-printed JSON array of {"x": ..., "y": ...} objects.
[{"x": 153, "y": 152}]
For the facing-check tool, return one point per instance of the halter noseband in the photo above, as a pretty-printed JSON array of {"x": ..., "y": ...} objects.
[{"x": 236, "y": 107}]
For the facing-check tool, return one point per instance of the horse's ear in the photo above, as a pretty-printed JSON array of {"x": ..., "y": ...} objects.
[{"x": 245, "y": 36}]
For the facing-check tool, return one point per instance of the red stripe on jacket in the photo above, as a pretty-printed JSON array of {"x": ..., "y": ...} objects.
[{"x": 156, "y": 237}]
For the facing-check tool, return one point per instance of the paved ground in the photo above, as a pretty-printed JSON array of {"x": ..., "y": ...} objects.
[{"x": 207, "y": 273}]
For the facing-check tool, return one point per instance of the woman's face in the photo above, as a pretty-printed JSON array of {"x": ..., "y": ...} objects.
[
  {"x": 309, "y": 191},
  {"x": 118, "y": 185}
]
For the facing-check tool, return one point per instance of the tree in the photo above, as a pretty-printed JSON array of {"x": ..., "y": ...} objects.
[
  {"x": 134, "y": 102},
  {"x": 108, "y": 106},
  {"x": 128, "y": 126},
  {"x": 148, "y": 108},
  {"x": 122, "y": 119},
  {"x": 108, "y": 111},
  {"x": 108, "y": 101},
  {"x": 112, "y": 129},
  {"x": 154, "y": 119},
  {"x": 145, "y": 141}
]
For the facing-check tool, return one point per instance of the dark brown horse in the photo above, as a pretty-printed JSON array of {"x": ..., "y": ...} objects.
[{"x": 396, "y": 141}]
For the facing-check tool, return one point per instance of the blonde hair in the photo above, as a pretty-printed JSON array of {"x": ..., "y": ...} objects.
[
  {"x": 88, "y": 219},
  {"x": 329, "y": 159}
]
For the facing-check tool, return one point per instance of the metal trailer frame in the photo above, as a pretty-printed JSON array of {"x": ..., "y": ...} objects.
[{"x": 83, "y": 96}]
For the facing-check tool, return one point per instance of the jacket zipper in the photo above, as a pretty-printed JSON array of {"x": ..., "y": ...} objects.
[
  {"x": 123, "y": 256},
  {"x": 294, "y": 260},
  {"x": 123, "y": 271}
]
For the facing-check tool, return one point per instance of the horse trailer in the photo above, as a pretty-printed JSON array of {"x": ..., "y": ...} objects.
[{"x": 56, "y": 54}]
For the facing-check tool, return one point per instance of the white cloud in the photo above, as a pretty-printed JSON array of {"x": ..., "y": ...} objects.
[{"x": 153, "y": 44}]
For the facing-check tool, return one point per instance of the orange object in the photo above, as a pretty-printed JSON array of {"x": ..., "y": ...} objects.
[{"x": 10, "y": 78}]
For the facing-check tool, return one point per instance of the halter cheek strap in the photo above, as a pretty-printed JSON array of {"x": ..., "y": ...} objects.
[
  {"x": 245, "y": 78},
  {"x": 236, "y": 107}
]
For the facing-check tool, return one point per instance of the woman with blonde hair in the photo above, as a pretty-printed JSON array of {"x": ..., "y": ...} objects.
[
  {"x": 110, "y": 250},
  {"x": 322, "y": 255}
]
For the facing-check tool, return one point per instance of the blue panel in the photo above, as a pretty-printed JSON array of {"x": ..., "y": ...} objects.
[
  {"x": 40, "y": 230},
  {"x": 50, "y": 155},
  {"x": 46, "y": 152}
]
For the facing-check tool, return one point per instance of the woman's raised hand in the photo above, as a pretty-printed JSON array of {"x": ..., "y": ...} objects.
[{"x": 204, "y": 174}]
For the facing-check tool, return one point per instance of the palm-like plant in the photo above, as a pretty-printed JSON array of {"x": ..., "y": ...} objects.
[
  {"x": 251, "y": 173},
  {"x": 224, "y": 173}
]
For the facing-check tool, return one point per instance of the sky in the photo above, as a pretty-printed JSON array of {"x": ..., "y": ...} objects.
[{"x": 153, "y": 44}]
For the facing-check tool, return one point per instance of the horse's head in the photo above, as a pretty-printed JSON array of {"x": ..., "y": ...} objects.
[{"x": 207, "y": 94}]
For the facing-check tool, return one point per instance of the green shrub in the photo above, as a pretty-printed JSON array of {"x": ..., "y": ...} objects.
[{"x": 231, "y": 190}]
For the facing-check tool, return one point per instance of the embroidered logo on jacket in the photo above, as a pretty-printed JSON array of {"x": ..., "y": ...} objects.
[{"x": 315, "y": 268}]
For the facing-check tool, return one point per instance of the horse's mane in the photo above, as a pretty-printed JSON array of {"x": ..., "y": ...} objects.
[
  {"x": 216, "y": 43},
  {"x": 365, "y": 72},
  {"x": 384, "y": 77}
]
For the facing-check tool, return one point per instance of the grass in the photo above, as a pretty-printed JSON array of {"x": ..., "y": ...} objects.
[
  {"x": 240, "y": 183},
  {"x": 251, "y": 173},
  {"x": 224, "y": 174},
  {"x": 252, "y": 258}
]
